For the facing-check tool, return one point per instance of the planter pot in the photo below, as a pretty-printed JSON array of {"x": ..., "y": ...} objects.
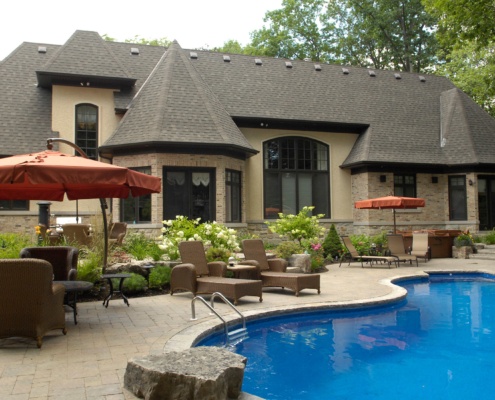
[{"x": 462, "y": 251}]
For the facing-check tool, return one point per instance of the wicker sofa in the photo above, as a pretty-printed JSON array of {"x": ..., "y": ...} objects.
[
  {"x": 62, "y": 258},
  {"x": 198, "y": 276},
  {"x": 273, "y": 271},
  {"x": 30, "y": 305}
]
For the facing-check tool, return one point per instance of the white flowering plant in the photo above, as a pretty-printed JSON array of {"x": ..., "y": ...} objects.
[
  {"x": 302, "y": 226},
  {"x": 212, "y": 234}
]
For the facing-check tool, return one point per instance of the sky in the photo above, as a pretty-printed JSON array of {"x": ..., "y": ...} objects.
[{"x": 193, "y": 23}]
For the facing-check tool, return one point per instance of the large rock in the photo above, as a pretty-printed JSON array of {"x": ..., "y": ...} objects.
[{"x": 201, "y": 373}]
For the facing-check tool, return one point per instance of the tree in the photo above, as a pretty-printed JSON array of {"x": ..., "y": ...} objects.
[
  {"x": 150, "y": 42},
  {"x": 472, "y": 70},
  {"x": 463, "y": 20},
  {"x": 385, "y": 34},
  {"x": 297, "y": 30}
]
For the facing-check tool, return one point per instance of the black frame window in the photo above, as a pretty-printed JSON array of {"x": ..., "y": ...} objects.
[
  {"x": 136, "y": 210},
  {"x": 405, "y": 185},
  {"x": 233, "y": 202},
  {"x": 457, "y": 198},
  {"x": 87, "y": 129},
  {"x": 189, "y": 192},
  {"x": 14, "y": 205},
  {"x": 296, "y": 174}
]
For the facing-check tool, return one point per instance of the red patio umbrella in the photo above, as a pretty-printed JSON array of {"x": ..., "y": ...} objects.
[
  {"x": 390, "y": 202},
  {"x": 49, "y": 175}
]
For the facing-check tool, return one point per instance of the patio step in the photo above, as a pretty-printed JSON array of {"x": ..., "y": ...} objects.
[{"x": 485, "y": 253}]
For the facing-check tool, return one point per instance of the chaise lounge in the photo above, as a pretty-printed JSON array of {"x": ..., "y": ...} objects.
[
  {"x": 198, "y": 276},
  {"x": 273, "y": 271},
  {"x": 398, "y": 249},
  {"x": 354, "y": 255}
]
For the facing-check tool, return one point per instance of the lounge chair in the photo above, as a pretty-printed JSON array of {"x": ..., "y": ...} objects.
[
  {"x": 353, "y": 255},
  {"x": 198, "y": 276},
  {"x": 30, "y": 305},
  {"x": 398, "y": 249},
  {"x": 273, "y": 271},
  {"x": 62, "y": 258},
  {"x": 419, "y": 246},
  {"x": 116, "y": 233}
]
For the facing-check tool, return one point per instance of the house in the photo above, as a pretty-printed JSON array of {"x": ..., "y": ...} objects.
[{"x": 238, "y": 139}]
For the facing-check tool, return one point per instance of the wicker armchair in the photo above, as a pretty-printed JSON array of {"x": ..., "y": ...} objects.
[
  {"x": 198, "y": 276},
  {"x": 30, "y": 305},
  {"x": 273, "y": 270},
  {"x": 62, "y": 258},
  {"x": 77, "y": 234}
]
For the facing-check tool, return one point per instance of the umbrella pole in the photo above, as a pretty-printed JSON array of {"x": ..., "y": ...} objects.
[
  {"x": 395, "y": 230},
  {"x": 104, "y": 207},
  {"x": 103, "y": 203}
]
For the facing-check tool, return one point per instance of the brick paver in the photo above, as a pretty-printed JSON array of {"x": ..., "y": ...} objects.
[{"x": 90, "y": 361}]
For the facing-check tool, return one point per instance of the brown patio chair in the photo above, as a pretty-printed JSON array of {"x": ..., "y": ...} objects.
[
  {"x": 354, "y": 255},
  {"x": 77, "y": 234},
  {"x": 117, "y": 232},
  {"x": 398, "y": 249},
  {"x": 419, "y": 246},
  {"x": 62, "y": 258},
  {"x": 198, "y": 276},
  {"x": 30, "y": 305},
  {"x": 273, "y": 271}
]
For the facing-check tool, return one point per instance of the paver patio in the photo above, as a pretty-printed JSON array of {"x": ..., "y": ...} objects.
[{"x": 90, "y": 361}]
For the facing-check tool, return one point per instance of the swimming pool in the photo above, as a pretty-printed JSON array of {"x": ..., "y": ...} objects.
[{"x": 437, "y": 344}]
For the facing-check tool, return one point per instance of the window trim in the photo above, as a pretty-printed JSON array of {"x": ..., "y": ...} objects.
[
  {"x": 314, "y": 161},
  {"x": 232, "y": 185},
  {"x": 78, "y": 131},
  {"x": 404, "y": 185},
  {"x": 137, "y": 200}
]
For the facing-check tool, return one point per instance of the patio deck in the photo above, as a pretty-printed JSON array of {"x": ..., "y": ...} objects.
[{"x": 90, "y": 361}]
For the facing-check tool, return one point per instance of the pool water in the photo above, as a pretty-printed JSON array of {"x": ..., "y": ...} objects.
[{"x": 437, "y": 344}]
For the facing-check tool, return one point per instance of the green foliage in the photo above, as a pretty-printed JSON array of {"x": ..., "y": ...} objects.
[
  {"x": 464, "y": 239},
  {"x": 217, "y": 254},
  {"x": 298, "y": 30},
  {"x": 140, "y": 247},
  {"x": 135, "y": 283},
  {"x": 159, "y": 277},
  {"x": 463, "y": 20},
  {"x": 332, "y": 245},
  {"x": 286, "y": 249},
  {"x": 362, "y": 243},
  {"x": 212, "y": 234},
  {"x": 150, "y": 42},
  {"x": 298, "y": 227},
  {"x": 11, "y": 244},
  {"x": 489, "y": 238},
  {"x": 89, "y": 267}
]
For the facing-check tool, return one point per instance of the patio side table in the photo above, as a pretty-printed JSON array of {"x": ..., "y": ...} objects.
[
  {"x": 121, "y": 278},
  {"x": 71, "y": 290}
]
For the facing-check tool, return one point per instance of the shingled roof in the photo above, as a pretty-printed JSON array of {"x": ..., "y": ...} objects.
[
  {"x": 177, "y": 108},
  {"x": 180, "y": 99}
]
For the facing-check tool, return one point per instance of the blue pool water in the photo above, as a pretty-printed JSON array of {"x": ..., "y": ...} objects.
[{"x": 437, "y": 344}]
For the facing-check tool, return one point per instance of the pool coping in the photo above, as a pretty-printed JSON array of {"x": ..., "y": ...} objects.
[{"x": 191, "y": 335}]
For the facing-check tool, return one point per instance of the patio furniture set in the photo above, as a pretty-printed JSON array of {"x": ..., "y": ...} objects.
[{"x": 396, "y": 254}]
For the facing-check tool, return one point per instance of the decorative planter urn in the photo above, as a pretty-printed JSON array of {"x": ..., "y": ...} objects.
[{"x": 462, "y": 251}]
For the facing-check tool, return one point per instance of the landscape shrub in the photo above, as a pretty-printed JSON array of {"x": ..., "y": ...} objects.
[{"x": 159, "y": 277}]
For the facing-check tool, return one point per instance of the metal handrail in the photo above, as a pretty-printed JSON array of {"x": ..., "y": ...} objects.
[
  {"x": 217, "y": 294},
  {"x": 212, "y": 309}
]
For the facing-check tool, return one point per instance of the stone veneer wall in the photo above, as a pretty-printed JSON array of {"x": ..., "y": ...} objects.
[
  {"x": 160, "y": 160},
  {"x": 435, "y": 215}
]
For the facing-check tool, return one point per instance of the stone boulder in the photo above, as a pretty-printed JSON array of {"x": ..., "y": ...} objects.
[
  {"x": 202, "y": 373},
  {"x": 299, "y": 263}
]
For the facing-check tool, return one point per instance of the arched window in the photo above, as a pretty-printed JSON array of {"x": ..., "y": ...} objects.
[
  {"x": 295, "y": 175},
  {"x": 87, "y": 129}
]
